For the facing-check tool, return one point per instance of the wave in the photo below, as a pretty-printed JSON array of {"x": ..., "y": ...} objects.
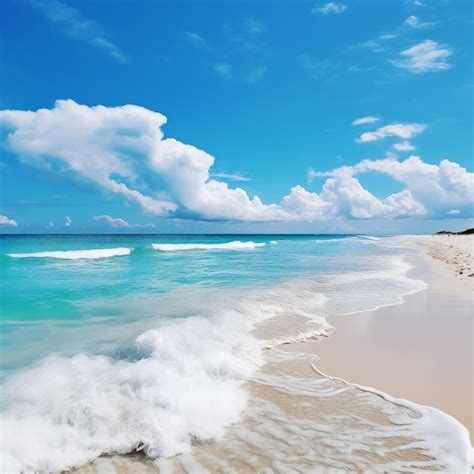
[
  {"x": 182, "y": 382},
  {"x": 76, "y": 254},
  {"x": 339, "y": 239},
  {"x": 185, "y": 385},
  {"x": 235, "y": 245}
]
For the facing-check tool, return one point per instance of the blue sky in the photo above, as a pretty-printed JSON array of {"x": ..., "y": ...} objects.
[{"x": 266, "y": 92}]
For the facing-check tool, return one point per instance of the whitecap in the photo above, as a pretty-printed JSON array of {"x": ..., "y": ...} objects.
[
  {"x": 75, "y": 254},
  {"x": 235, "y": 245}
]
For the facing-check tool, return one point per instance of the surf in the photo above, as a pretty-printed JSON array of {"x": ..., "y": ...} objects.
[{"x": 76, "y": 254}]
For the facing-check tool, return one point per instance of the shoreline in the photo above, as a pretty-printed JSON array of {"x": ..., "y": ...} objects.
[
  {"x": 409, "y": 350},
  {"x": 303, "y": 413}
]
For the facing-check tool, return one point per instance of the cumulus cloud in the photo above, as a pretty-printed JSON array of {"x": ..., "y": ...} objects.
[
  {"x": 453, "y": 212},
  {"x": 330, "y": 8},
  {"x": 67, "y": 222},
  {"x": 436, "y": 188},
  {"x": 427, "y": 56},
  {"x": 7, "y": 222},
  {"x": 365, "y": 120},
  {"x": 400, "y": 130},
  {"x": 403, "y": 146},
  {"x": 72, "y": 22},
  {"x": 50, "y": 225},
  {"x": 122, "y": 151},
  {"x": 97, "y": 144}
]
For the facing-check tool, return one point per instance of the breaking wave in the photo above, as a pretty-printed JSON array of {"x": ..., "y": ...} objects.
[
  {"x": 235, "y": 245},
  {"x": 76, "y": 254}
]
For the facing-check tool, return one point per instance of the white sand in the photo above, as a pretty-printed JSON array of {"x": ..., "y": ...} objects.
[
  {"x": 421, "y": 350},
  {"x": 455, "y": 251}
]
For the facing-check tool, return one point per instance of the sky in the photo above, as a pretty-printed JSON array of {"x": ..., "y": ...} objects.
[{"x": 236, "y": 116}]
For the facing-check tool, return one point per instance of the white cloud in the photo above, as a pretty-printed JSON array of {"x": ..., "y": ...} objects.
[
  {"x": 351, "y": 199},
  {"x": 195, "y": 39},
  {"x": 427, "y": 56},
  {"x": 72, "y": 22},
  {"x": 68, "y": 222},
  {"x": 403, "y": 146},
  {"x": 307, "y": 205},
  {"x": 437, "y": 188},
  {"x": 118, "y": 222},
  {"x": 400, "y": 130},
  {"x": 365, "y": 120},
  {"x": 224, "y": 70},
  {"x": 112, "y": 221},
  {"x": 414, "y": 22},
  {"x": 330, "y": 8},
  {"x": 453, "y": 212},
  {"x": 50, "y": 225},
  {"x": 74, "y": 136},
  {"x": 123, "y": 152},
  {"x": 6, "y": 221},
  {"x": 411, "y": 21}
]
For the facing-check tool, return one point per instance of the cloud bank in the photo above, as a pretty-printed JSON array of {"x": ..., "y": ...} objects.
[{"x": 123, "y": 152}]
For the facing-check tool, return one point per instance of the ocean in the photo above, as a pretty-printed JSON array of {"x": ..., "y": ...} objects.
[{"x": 125, "y": 343}]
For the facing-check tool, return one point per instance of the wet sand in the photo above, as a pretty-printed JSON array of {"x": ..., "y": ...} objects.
[{"x": 421, "y": 350}]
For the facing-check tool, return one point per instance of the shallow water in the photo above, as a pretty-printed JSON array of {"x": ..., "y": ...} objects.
[{"x": 161, "y": 348}]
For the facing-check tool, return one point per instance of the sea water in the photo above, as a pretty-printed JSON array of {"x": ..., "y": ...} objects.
[{"x": 112, "y": 344}]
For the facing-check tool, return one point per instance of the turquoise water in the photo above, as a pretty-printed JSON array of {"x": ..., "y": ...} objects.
[
  {"x": 114, "y": 343},
  {"x": 45, "y": 301}
]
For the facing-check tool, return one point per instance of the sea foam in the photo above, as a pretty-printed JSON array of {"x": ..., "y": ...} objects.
[
  {"x": 76, "y": 254},
  {"x": 185, "y": 385},
  {"x": 235, "y": 245}
]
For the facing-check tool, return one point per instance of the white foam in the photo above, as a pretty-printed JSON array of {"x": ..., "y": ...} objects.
[
  {"x": 76, "y": 254},
  {"x": 340, "y": 239},
  {"x": 437, "y": 432},
  {"x": 368, "y": 237},
  {"x": 235, "y": 245},
  {"x": 186, "y": 385}
]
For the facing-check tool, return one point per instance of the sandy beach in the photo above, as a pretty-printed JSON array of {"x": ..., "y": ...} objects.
[
  {"x": 421, "y": 350},
  {"x": 327, "y": 403}
]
